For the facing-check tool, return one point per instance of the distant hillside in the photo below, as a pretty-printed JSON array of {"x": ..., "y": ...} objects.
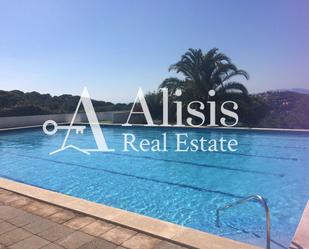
[
  {"x": 285, "y": 109},
  {"x": 300, "y": 90},
  {"x": 296, "y": 90},
  {"x": 274, "y": 109},
  {"x": 18, "y": 103}
]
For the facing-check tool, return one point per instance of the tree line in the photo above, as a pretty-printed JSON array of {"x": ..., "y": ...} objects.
[{"x": 199, "y": 73}]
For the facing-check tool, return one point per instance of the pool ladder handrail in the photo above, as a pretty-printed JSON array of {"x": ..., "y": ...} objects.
[{"x": 261, "y": 200}]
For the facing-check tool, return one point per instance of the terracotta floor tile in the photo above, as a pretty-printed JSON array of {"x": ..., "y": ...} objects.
[
  {"x": 7, "y": 212},
  {"x": 24, "y": 220},
  {"x": 79, "y": 222},
  {"x": 98, "y": 244},
  {"x": 52, "y": 246},
  {"x": 39, "y": 226},
  {"x": 141, "y": 241},
  {"x": 118, "y": 235},
  {"x": 20, "y": 202},
  {"x": 75, "y": 240},
  {"x": 9, "y": 198},
  {"x": 168, "y": 245},
  {"x": 31, "y": 207},
  {"x": 14, "y": 236},
  {"x": 62, "y": 216},
  {"x": 41, "y": 209},
  {"x": 4, "y": 191},
  {"x": 56, "y": 232},
  {"x": 97, "y": 228},
  {"x": 6, "y": 227},
  {"x": 33, "y": 242}
]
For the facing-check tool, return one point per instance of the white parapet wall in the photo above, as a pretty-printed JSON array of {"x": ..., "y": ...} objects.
[
  {"x": 117, "y": 117},
  {"x": 34, "y": 120}
]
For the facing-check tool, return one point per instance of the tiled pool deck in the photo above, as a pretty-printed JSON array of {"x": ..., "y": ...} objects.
[
  {"x": 33, "y": 218},
  {"x": 30, "y": 224}
]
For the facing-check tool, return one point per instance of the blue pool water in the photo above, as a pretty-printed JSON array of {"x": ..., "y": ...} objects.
[{"x": 180, "y": 187}]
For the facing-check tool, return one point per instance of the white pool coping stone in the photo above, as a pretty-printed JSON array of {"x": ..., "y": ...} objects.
[
  {"x": 177, "y": 127},
  {"x": 301, "y": 237}
]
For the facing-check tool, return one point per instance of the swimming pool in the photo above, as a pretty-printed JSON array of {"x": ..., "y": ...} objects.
[{"x": 181, "y": 187}]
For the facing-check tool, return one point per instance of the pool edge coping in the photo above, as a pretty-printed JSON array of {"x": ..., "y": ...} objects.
[
  {"x": 172, "y": 126},
  {"x": 154, "y": 227},
  {"x": 300, "y": 238}
]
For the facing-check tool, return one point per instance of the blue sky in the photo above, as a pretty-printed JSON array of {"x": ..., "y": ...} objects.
[{"x": 114, "y": 47}]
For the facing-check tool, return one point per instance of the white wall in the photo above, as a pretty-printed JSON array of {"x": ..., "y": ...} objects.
[
  {"x": 34, "y": 120},
  {"x": 118, "y": 117},
  {"x": 20, "y": 121}
]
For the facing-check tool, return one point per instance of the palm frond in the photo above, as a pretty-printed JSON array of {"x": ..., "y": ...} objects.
[
  {"x": 238, "y": 72},
  {"x": 234, "y": 87},
  {"x": 173, "y": 83}
]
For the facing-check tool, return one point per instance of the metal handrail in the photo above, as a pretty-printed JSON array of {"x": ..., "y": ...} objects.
[{"x": 262, "y": 201}]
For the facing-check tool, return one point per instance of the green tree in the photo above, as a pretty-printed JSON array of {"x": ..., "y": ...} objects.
[{"x": 203, "y": 72}]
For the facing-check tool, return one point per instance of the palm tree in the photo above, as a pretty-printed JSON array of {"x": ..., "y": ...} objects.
[{"x": 203, "y": 72}]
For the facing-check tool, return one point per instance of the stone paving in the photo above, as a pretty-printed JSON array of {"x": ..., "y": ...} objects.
[{"x": 29, "y": 224}]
